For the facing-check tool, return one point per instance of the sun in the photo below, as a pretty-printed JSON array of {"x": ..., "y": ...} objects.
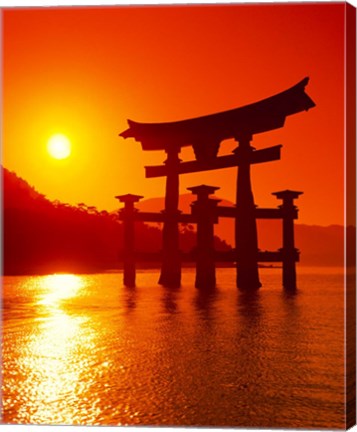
[{"x": 59, "y": 146}]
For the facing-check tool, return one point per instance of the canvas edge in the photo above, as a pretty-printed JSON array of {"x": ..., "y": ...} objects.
[{"x": 350, "y": 211}]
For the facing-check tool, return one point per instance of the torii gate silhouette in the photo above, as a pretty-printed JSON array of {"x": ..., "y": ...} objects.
[{"x": 205, "y": 134}]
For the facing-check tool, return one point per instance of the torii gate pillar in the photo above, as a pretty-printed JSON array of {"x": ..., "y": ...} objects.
[
  {"x": 290, "y": 253},
  {"x": 245, "y": 224},
  {"x": 127, "y": 215},
  {"x": 171, "y": 261},
  {"x": 205, "y": 210}
]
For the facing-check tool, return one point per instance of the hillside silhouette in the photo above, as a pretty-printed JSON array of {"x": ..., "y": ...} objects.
[{"x": 43, "y": 236}]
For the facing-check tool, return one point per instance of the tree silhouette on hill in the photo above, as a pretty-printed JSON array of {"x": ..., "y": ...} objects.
[{"x": 43, "y": 236}]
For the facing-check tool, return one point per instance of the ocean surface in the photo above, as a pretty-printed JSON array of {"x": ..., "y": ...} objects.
[{"x": 83, "y": 349}]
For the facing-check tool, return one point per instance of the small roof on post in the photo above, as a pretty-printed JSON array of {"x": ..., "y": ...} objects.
[
  {"x": 205, "y": 133},
  {"x": 203, "y": 191},
  {"x": 287, "y": 194},
  {"x": 129, "y": 198}
]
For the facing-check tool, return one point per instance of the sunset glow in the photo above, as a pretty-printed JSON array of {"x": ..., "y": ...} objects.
[
  {"x": 59, "y": 146},
  {"x": 103, "y": 81}
]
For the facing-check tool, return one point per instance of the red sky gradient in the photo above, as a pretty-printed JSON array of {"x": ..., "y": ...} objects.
[{"x": 84, "y": 71}]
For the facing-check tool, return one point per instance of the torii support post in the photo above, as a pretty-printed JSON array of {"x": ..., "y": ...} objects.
[
  {"x": 204, "y": 209},
  {"x": 290, "y": 253},
  {"x": 245, "y": 223},
  {"x": 171, "y": 263},
  {"x": 127, "y": 215}
]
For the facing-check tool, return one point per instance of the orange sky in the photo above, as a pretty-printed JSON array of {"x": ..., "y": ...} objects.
[{"x": 84, "y": 71}]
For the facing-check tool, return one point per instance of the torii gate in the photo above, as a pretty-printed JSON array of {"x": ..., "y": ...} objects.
[{"x": 205, "y": 135}]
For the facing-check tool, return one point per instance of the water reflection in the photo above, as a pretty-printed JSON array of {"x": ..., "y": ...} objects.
[
  {"x": 169, "y": 300},
  {"x": 47, "y": 360},
  {"x": 58, "y": 287},
  {"x": 204, "y": 302},
  {"x": 289, "y": 294},
  {"x": 130, "y": 298},
  {"x": 250, "y": 306}
]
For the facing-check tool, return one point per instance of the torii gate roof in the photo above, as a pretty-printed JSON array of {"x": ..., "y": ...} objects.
[{"x": 208, "y": 131}]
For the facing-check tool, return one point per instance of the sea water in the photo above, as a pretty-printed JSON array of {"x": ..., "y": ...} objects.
[{"x": 84, "y": 349}]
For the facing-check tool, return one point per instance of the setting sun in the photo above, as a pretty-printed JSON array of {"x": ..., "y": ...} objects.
[{"x": 59, "y": 146}]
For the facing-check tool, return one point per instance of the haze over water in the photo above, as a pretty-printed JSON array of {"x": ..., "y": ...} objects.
[{"x": 86, "y": 350}]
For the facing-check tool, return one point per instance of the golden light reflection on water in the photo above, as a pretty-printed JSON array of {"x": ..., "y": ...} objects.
[
  {"x": 58, "y": 287},
  {"x": 48, "y": 356}
]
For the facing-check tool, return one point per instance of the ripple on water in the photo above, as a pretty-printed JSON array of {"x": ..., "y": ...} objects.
[{"x": 85, "y": 350}]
